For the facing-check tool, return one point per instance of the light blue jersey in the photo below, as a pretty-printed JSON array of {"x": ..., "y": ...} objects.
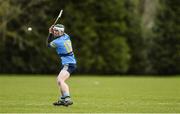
[{"x": 64, "y": 49}]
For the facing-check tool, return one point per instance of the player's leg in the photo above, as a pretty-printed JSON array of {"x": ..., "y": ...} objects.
[{"x": 63, "y": 86}]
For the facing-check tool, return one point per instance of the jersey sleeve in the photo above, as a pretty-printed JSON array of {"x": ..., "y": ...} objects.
[{"x": 53, "y": 44}]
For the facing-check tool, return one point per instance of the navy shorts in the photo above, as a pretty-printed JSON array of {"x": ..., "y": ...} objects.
[{"x": 69, "y": 67}]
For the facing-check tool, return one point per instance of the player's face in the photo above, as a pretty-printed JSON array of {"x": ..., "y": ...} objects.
[{"x": 58, "y": 33}]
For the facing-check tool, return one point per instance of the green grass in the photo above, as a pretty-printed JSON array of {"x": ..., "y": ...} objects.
[{"x": 36, "y": 93}]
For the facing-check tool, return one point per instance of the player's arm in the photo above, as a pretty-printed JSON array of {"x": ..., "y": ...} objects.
[{"x": 49, "y": 40}]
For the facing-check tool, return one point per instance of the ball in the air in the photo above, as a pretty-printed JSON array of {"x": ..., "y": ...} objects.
[{"x": 29, "y": 29}]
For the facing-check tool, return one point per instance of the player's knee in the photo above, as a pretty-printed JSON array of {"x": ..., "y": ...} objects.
[{"x": 60, "y": 80}]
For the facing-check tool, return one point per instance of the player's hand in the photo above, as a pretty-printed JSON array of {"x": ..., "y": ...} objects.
[{"x": 51, "y": 29}]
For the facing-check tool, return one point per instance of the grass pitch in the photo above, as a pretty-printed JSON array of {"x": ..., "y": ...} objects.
[{"x": 36, "y": 93}]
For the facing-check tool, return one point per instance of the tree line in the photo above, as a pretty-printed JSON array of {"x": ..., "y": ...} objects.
[{"x": 109, "y": 37}]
